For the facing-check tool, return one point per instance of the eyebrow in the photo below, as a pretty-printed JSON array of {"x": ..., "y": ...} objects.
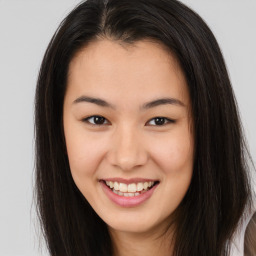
[
  {"x": 151, "y": 104},
  {"x": 97, "y": 101},
  {"x": 163, "y": 101}
]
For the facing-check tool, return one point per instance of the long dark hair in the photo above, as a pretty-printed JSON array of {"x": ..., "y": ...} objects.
[{"x": 219, "y": 192}]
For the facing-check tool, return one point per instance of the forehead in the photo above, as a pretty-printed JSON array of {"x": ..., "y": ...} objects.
[{"x": 112, "y": 69}]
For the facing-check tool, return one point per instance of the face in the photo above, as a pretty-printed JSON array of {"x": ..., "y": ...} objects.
[{"x": 128, "y": 133}]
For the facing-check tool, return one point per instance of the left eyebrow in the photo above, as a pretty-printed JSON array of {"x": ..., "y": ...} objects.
[{"x": 162, "y": 101}]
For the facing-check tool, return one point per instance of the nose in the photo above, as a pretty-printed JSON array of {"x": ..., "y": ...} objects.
[{"x": 127, "y": 150}]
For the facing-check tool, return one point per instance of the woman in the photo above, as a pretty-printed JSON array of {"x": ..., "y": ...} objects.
[{"x": 139, "y": 142}]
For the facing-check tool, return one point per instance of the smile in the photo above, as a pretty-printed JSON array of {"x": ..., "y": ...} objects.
[
  {"x": 128, "y": 190},
  {"x": 128, "y": 194}
]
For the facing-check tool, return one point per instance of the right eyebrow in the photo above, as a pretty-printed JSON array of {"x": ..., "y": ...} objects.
[
  {"x": 96, "y": 101},
  {"x": 163, "y": 101}
]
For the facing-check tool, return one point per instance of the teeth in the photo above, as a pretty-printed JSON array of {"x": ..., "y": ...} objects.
[
  {"x": 126, "y": 194},
  {"x": 129, "y": 189},
  {"x": 132, "y": 187},
  {"x": 140, "y": 186},
  {"x": 116, "y": 185},
  {"x": 123, "y": 187},
  {"x": 145, "y": 185}
]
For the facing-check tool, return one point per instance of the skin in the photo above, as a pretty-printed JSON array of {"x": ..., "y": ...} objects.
[{"x": 130, "y": 144}]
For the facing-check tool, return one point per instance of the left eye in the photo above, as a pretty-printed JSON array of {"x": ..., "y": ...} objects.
[
  {"x": 96, "y": 120},
  {"x": 159, "y": 121}
]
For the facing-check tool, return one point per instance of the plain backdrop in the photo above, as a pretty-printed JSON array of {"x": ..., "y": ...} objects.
[{"x": 26, "y": 27}]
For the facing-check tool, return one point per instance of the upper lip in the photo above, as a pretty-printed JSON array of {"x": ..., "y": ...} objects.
[{"x": 128, "y": 181}]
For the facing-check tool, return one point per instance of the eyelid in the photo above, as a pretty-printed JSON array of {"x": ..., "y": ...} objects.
[
  {"x": 86, "y": 120},
  {"x": 169, "y": 121},
  {"x": 166, "y": 120}
]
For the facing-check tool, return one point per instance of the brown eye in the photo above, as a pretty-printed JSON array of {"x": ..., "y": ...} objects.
[
  {"x": 159, "y": 121},
  {"x": 96, "y": 120}
]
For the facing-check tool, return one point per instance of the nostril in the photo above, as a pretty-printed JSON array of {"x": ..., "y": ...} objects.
[{"x": 127, "y": 153}]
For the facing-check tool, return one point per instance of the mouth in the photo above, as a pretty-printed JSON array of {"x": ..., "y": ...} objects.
[
  {"x": 132, "y": 189},
  {"x": 129, "y": 193}
]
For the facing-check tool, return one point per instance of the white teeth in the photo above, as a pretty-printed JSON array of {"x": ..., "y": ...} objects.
[
  {"x": 120, "y": 193},
  {"x": 123, "y": 187},
  {"x": 129, "y": 189},
  {"x": 132, "y": 187},
  {"x": 111, "y": 184},
  {"x": 116, "y": 185},
  {"x": 125, "y": 194},
  {"x": 140, "y": 186},
  {"x": 145, "y": 185}
]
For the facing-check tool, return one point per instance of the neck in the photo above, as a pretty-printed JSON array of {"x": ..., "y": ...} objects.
[{"x": 137, "y": 244}]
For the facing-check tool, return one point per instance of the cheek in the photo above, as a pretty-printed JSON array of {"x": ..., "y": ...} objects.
[
  {"x": 85, "y": 153},
  {"x": 175, "y": 153},
  {"x": 175, "y": 158}
]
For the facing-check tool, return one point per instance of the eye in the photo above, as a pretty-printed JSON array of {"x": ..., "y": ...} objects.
[
  {"x": 160, "y": 121},
  {"x": 96, "y": 120}
]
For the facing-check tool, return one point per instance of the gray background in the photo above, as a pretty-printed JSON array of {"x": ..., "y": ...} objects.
[{"x": 26, "y": 27}]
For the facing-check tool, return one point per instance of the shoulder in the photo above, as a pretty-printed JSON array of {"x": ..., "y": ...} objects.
[
  {"x": 244, "y": 239},
  {"x": 250, "y": 237}
]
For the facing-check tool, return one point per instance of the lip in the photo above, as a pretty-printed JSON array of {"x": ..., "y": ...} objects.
[{"x": 127, "y": 201}]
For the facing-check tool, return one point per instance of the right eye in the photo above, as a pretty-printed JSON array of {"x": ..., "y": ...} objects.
[{"x": 96, "y": 120}]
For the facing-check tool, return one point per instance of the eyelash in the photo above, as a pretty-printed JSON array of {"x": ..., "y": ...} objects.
[
  {"x": 90, "y": 117},
  {"x": 166, "y": 120}
]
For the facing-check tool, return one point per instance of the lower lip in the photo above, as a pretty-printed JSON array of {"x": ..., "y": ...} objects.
[{"x": 130, "y": 201}]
